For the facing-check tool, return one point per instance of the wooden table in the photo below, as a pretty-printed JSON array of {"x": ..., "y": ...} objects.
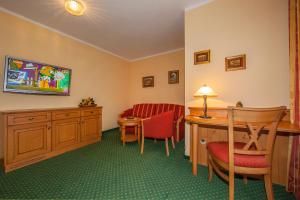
[
  {"x": 130, "y": 122},
  {"x": 219, "y": 121}
]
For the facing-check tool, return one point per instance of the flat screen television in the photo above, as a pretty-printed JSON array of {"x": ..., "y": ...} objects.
[{"x": 25, "y": 76}]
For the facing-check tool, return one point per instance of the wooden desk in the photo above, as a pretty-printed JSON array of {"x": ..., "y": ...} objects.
[{"x": 215, "y": 129}]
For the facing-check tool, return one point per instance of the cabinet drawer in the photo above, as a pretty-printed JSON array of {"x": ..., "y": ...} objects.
[
  {"x": 65, "y": 114},
  {"x": 90, "y": 112},
  {"x": 26, "y": 118}
]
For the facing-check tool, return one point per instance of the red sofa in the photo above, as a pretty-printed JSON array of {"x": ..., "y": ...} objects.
[{"x": 147, "y": 110}]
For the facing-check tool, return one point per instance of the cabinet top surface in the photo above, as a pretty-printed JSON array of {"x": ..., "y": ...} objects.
[{"x": 46, "y": 109}]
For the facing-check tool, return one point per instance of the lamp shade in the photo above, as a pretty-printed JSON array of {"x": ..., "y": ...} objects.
[{"x": 205, "y": 91}]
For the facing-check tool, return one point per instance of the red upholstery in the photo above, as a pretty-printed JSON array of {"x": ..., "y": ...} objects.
[
  {"x": 127, "y": 113},
  {"x": 220, "y": 151},
  {"x": 159, "y": 126},
  {"x": 144, "y": 110},
  {"x": 149, "y": 110}
]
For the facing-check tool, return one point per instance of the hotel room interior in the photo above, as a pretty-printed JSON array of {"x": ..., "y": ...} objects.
[{"x": 149, "y": 99}]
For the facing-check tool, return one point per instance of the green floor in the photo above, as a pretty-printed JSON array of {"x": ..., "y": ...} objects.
[{"x": 107, "y": 170}]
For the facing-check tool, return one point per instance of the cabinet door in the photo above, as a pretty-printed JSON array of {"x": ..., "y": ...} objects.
[
  {"x": 65, "y": 133},
  {"x": 28, "y": 141},
  {"x": 90, "y": 128}
]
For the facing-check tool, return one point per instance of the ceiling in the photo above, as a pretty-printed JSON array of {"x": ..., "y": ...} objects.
[{"x": 130, "y": 29}]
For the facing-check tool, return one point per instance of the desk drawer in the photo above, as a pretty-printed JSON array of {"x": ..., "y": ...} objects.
[
  {"x": 26, "y": 118},
  {"x": 65, "y": 114},
  {"x": 91, "y": 112}
]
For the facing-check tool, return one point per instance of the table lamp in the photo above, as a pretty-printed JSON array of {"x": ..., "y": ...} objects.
[{"x": 205, "y": 91}]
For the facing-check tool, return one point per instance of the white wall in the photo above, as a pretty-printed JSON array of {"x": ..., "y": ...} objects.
[
  {"x": 94, "y": 73},
  {"x": 256, "y": 28},
  {"x": 157, "y": 66}
]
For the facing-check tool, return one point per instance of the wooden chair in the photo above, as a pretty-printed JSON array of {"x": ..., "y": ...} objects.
[
  {"x": 159, "y": 127},
  {"x": 249, "y": 158}
]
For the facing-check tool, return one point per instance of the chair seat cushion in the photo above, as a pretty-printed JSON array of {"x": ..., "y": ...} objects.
[{"x": 220, "y": 151}]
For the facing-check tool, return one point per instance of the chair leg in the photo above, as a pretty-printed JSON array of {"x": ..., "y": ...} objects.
[
  {"x": 231, "y": 186},
  {"x": 268, "y": 186},
  {"x": 173, "y": 143},
  {"x": 210, "y": 169},
  {"x": 167, "y": 146},
  {"x": 245, "y": 180},
  {"x": 142, "y": 146}
]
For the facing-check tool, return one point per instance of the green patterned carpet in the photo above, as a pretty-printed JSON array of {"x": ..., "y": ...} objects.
[{"x": 107, "y": 170}]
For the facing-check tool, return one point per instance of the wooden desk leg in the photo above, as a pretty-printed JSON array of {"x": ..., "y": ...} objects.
[
  {"x": 123, "y": 135},
  {"x": 195, "y": 149}
]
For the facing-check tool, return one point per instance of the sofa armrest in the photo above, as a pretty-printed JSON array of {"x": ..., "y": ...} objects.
[{"x": 126, "y": 113}]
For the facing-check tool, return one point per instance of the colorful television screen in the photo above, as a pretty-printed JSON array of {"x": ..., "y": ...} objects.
[{"x": 24, "y": 76}]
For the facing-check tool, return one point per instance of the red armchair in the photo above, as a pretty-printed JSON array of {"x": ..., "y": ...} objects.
[
  {"x": 159, "y": 127},
  {"x": 146, "y": 110}
]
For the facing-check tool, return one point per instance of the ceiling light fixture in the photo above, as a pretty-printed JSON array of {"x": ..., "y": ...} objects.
[{"x": 75, "y": 7}]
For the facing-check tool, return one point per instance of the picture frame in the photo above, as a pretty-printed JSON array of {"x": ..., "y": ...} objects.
[
  {"x": 202, "y": 57},
  {"x": 173, "y": 77},
  {"x": 234, "y": 63},
  {"x": 148, "y": 81},
  {"x": 32, "y": 77}
]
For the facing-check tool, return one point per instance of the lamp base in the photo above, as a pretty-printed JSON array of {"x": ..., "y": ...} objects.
[{"x": 205, "y": 117}]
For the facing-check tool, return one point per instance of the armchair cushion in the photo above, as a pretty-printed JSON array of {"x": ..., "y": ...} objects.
[
  {"x": 220, "y": 151},
  {"x": 159, "y": 126}
]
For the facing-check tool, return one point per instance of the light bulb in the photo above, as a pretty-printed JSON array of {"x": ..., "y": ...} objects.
[{"x": 74, "y": 5}]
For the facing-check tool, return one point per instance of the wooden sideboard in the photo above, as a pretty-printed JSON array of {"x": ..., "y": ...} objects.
[
  {"x": 29, "y": 136},
  {"x": 215, "y": 129}
]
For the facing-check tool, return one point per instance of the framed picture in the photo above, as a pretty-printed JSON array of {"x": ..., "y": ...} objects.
[
  {"x": 173, "y": 77},
  {"x": 235, "y": 62},
  {"x": 148, "y": 81},
  {"x": 201, "y": 57},
  {"x": 31, "y": 77}
]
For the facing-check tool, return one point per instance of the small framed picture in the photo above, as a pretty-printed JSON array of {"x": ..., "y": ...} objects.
[
  {"x": 173, "y": 77},
  {"x": 235, "y": 62},
  {"x": 201, "y": 57},
  {"x": 148, "y": 81}
]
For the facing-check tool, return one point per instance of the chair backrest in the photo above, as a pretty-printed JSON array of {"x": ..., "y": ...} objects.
[
  {"x": 159, "y": 126},
  {"x": 255, "y": 120}
]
